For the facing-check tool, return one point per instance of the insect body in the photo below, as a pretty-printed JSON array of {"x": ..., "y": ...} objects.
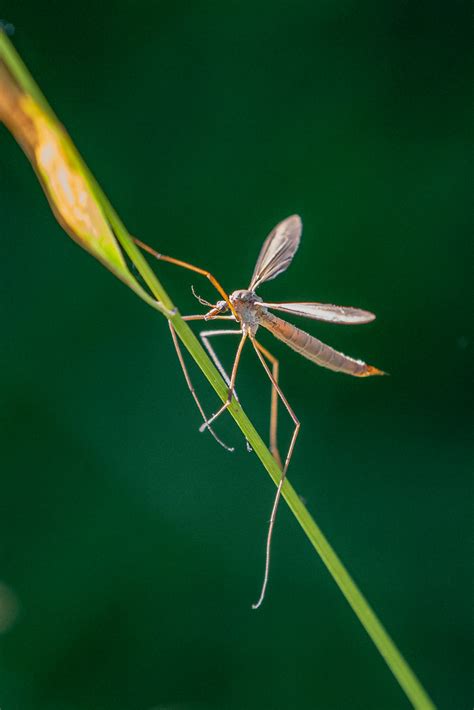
[
  {"x": 250, "y": 311},
  {"x": 253, "y": 312}
]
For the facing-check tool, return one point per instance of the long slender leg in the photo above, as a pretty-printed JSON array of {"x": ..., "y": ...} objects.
[
  {"x": 204, "y": 316},
  {"x": 190, "y": 384},
  {"x": 233, "y": 376},
  {"x": 191, "y": 267},
  {"x": 273, "y": 403},
  {"x": 283, "y": 475},
  {"x": 205, "y": 335}
]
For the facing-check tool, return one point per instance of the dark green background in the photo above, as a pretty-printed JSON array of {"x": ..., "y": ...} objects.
[{"x": 132, "y": 543}]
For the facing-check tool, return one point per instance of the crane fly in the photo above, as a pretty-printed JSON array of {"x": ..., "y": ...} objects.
[{"x": 250, "y": 311}]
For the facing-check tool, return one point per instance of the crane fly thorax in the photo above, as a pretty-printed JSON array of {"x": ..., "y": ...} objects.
[{"x": 243, "y": 302}]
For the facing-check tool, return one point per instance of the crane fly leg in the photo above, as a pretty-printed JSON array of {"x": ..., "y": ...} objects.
[
  {"x": 295, "y": 419},
  {"x": 189, "y": 382},
  {"x": 190, "y": 267},
  {"x": 231, "y": 390},
  {"x": 273, "y": 404},
  {"x": 203, "y": 316},
  {"x": 205, "y": 335},
  {"x": 271, "y": 524}
]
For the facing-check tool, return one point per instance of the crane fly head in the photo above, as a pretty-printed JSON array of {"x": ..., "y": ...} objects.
[
  {"x": 220, "y": 307},
  {"x": 217, "y": 309}
]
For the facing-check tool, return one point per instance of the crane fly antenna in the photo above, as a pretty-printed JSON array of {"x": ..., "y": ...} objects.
[{"x": 201, "y": 300}]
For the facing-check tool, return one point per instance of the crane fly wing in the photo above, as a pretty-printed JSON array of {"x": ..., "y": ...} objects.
[
  {"x": 324, "y": 311},
  {"x": 278, "y": 250}
]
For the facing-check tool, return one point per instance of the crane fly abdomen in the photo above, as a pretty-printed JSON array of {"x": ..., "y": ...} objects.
[{"x": 313, "y": 349}]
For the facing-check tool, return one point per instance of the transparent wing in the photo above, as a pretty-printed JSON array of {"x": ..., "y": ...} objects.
[
  {"x": 278, "y": 250},
  {"x": 323, "y": 311}
]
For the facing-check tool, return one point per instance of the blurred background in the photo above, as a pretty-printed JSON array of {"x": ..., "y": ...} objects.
[{"x": 131, "y": 545}]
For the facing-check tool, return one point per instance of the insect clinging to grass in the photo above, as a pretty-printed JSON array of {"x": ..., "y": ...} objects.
[{"x": 250, "y": 312}]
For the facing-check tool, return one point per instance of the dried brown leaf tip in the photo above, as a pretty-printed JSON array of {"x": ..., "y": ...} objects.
[{"x": 60, "y": 172}]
